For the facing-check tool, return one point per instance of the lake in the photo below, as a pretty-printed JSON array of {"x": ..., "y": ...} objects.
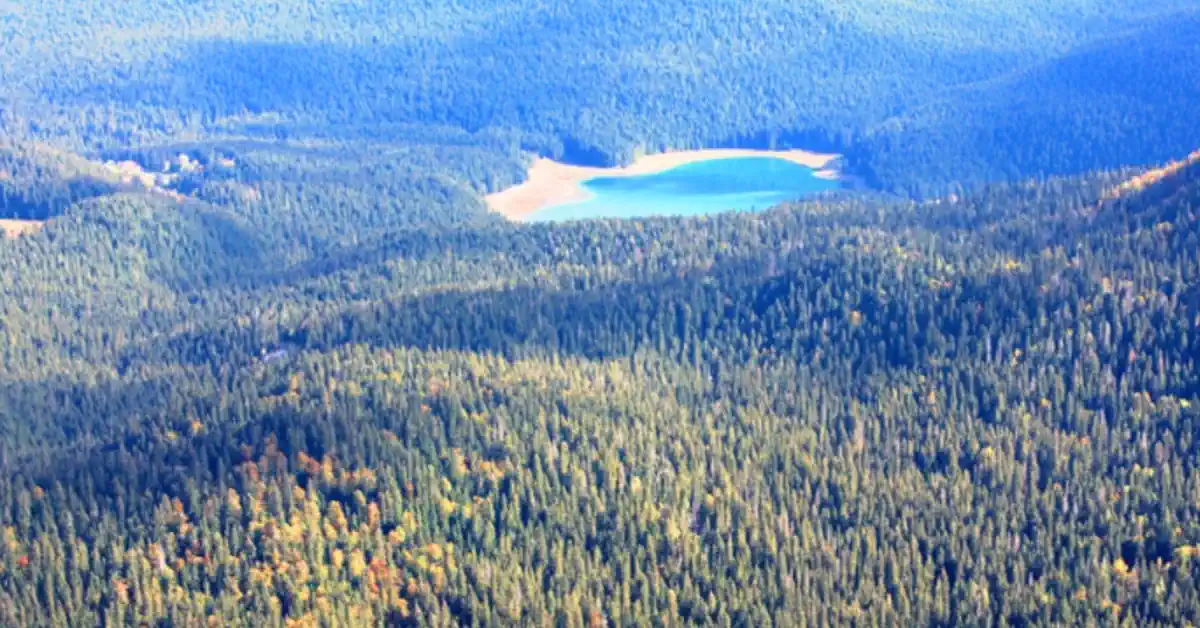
[{"x": 701, "y": 187}]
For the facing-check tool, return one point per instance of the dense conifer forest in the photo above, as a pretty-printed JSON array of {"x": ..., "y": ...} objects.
[
  {"x": 923, "y": 97},
  {"x": 266, "y": 359}
]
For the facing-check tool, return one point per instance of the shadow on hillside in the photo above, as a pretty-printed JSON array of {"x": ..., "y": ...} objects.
[
  {"x": 590, "y": 318},
  {"x": 574, "y": 84},
  {"x": 42, "y": 200},
  {"x": 591, "y": 321},
  {"x": 595, "y": 321},
  {"x": 60, "y": 410},
  {"x": 751, "y": 305},
  {"x": 1120, "y": 101},
  {"x": 746, "y": 305},
  {"x": 147, "y": 448},
  {"x": 366, "y": 91}
]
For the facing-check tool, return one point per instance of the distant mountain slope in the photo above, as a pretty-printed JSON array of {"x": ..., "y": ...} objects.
[
  {"x": 592, "y": 80},
  {"x": 1131, "y": 99}
]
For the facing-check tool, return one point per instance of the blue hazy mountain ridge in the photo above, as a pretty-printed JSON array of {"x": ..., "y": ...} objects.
[
  {"x": 1128, "y": 99},
  {"x": 591, "y": 81},
  {"x": 703, "y": 187}
]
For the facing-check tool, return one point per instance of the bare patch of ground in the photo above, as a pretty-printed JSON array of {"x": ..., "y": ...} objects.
[{"x": 17, "y": 228}]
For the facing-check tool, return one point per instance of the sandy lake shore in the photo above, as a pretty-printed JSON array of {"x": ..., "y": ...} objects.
[
  {"x": 14, "y": 228},
  {"x": 552, "y": 183}
]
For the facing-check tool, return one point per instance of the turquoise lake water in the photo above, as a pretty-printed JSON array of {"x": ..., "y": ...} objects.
[{"x": 703, "y": 187}]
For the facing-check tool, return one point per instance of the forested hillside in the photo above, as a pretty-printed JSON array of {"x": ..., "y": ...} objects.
[
  {"x": 266, "y": 359},
  {"x": 1130, "y": 99},
  {"x": 897, "y": 86},
  {"x": 842, "y": 412}
]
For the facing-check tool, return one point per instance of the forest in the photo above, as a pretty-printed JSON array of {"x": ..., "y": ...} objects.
[
  {"x": 267, "y": 360},
  {"x": 922, "y": 97},
  {"x": 849, "y": 411}
]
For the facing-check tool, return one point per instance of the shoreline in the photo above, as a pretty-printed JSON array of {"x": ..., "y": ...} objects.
[
  {"x": 551, "y": 183},
  {"x": 13, "y": 228}
]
